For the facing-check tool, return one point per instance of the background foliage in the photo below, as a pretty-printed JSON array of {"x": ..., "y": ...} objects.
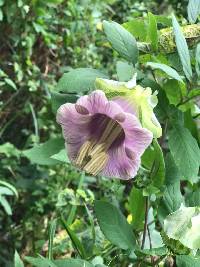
[{"x": 49, "y": 208}]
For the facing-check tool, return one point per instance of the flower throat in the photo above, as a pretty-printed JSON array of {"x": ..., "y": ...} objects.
[{"x": 93, "y": 154}]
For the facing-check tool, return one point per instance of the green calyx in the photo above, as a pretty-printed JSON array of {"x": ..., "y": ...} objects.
[{"x": 140, "y": 100}]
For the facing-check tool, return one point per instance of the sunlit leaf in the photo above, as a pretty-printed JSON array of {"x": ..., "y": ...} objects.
[
  {"x": 6, "y": 205},
  {"x": 61, "y": 156},
  {"x": 168, "y": 70},
  {"x": 10, "y": 83},
  {"x": 187, "y": 261},
  {"x": 152, "y": 31},
  {"x": 17, "y": 260},
  {"x": 11, "y": 187},
  {"x": 125, "y": 71},
  {"x": 193, "y": 10},
  {"x": 137, "y": 27},
  {"x": 183, "y": 225}
]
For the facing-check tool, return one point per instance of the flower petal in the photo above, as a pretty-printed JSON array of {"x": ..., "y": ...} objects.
[
  {"x": 75, "y": 128},
  {"x": 94, "y": 103},
  {"x": 120, "y": 165},
  {"x": 137, "y": 139}
]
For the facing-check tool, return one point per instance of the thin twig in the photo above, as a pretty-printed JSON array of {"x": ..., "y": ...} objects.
[
  {"x": 149, "y": 235},
  {"x": 146, "y": 221},
  {"x": 150, "y": 243}
]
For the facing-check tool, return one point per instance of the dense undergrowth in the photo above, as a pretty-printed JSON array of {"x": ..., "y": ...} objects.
[{"x": 40, "y": 41}]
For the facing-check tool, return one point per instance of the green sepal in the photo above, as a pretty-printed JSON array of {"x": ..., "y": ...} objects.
[{"x": 139, "y": 99}]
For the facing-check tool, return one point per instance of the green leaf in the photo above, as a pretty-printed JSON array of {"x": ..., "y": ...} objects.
[
  {"x": 114, "y": 225},
  {"x": 10, "y": 83},
  {"x": 6, "y": 205},
  {"x": 197, "y": 58},
  {"x": 41, "y": 154},
  {"x": 172, "y": 173},
  {"x": 158, "y": 167},
  {"x": 92, "y": 223},
  {"x": 125, "y": 71},
  {"x": 61, "y": 156},
  {"x": 183, "y": 225},
  {"x": 72, "y": 263},
  {"x": 168, "y": 70},
  {"x": 194, "y": 93},
  {"x": 40, "y": 262},
  {"x": 173, "y": 91},
  {"x": 122, "y": 41},
  {"x": 185, "y": 152},
  {"x": 1, "y": 15},
  {"x": 182, "y": 49},
  {"x": 193, "y": 10},
  {"x": 171, "y": 200},
  {"x": 160, "y": 251},
  {"x": 148, "y": 157},
  {"x": 58, "y": 99},
  {"x": 174, "y": 246},
  {"x": 137, "y": 28},
  {"x": 187, "y": 261},
  {"x": 164, "y": 20},
  {"x": 52, "y": 230},
  {"x": 192, "y": 199},
  {"x": 17, "y": 260},
  {"x": 5, "y": 191},
  {"x": 190, "y": 123},
  {"x": 137, "y": 208},
  {"x": 54, "y": 2},
  {"x": 75, "y": 240},
  {"x": 11, "y": 187},
  {"x": 9, "y": 150},
  {"x": 152, "y": 31},
  {"x": 153, "y": 160},
  {"x": 79, "y": 80}
]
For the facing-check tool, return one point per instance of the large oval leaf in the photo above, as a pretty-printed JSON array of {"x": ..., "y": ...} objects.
[
  {"x": 114, "y": 225},
  {"x": 121, "y": 40},
  {"x": 183, "y": 225},
  {"x": 185, "y": 152},
  {"x": 187, "y": 261},
  {"x": 79, "y": 80}
]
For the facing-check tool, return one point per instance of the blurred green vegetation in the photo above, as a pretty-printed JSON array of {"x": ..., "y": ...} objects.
[{"x": 40, "y": 40}]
